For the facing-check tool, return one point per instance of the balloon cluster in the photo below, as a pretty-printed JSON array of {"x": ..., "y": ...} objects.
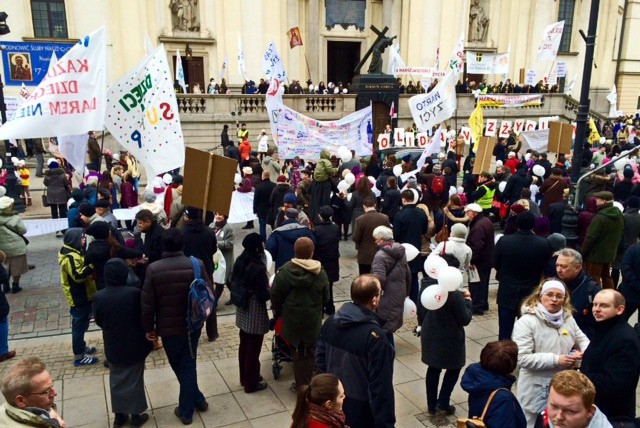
[{"x": 449, "y": 279}]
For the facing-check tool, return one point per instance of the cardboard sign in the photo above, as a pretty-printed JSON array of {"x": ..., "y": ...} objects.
[
  {"x": 384, "y": 141},
  {"x": 423, "y": 139},
  {"x": 409, "y": 139},
  {"x": 484, "y": 155},
  {"x": 530, "y": 125},
  {"x": 208, "y": 181},
  {"x": 543, "y": 123},
  {"x": 465, "y": 132},
  {"x": 518, "y": 126},
  {"x": 560, "y": 136},
  {"x": 492, "y": 128},
  {"x": 561, "y": 69},
  {"x": 398, "y": 137},
  {"x": 530, "y": 78},
  {"x": 505, "y": 126}
]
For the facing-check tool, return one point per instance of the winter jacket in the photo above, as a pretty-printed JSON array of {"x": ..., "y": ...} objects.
[
  {"x": 200, "y": 242},
  {"x": 164, "y": 294},
  {"x": 15, "y": 417},
  {"x": 553, "y": 190},
  {"x": 299, "y": 292},
  {"x": 481, "y": 241},
  {"x": 152, "y": 246},
  {"x": 353, "y": 347},
  {"x": 504, "y": 410},
  {"x": 24, "y": 175},
  {"x": 57, "y": 186},
  {"x": 518, "y": 271},
  {"x": 458, "y": 248},
  {"x": 273, "y": 166},
  {"x": 12, "y": 229},
  {"x": 225, "y": 240},
  {"x": 514, "y": 186},
  {"x": 582, "y": 290},
  {"x": 630, "y": 286},
  {"x": 117, "y": 312},
  {"x": 631, "y": 230},
  {"x": 327, "y": 250},
  {"x": 324, "y": 170},
  {"x": 233, "y": 152},
  {"x": 584, "y": 219},
  {"x": 245, "y": 150},
  {"x": 603, "y": 235},
  {"x": 280, "y": 242},
  {"x": 391, "y": 267},
  {"x": 254, "y": 319},
  {"x": 363, "y": 235},
  {"x": 539, "y": 346},
  {"x": 158, "y": 212},
  {"x": 261, "y": 198},
  {"x": 97, "y": 254},
  {"x": 612, "y": 363},
  {"x": 76, "y": 277},
  {"x": 390, "y": 203},
  {"x": 276, "y": 200},
  {"x": 443, "y": 338},
  {"x": 128, "y": 196},
  {"x": 408, "y": 227}
]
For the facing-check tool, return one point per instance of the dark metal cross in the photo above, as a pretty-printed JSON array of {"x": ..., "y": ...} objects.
[{"x": 381, "y": 35}]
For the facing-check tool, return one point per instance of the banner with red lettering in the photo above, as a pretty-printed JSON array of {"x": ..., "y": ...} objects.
[
  {"x": 70, "y": 99},
  {"x": 142, "y": 114}
]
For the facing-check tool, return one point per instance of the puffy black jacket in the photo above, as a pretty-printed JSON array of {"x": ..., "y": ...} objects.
[
  {"x": 261, "y": 198},
  {"x": 583, "y": 290},
  {"x": 200, "y": 242},
  {"x": 327, "y": 251},
  {"x": 353, "y": 347}
]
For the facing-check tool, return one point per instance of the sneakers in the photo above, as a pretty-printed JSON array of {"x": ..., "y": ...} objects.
[
  {"x": 90, "y": 350},
  {"x": 86, "y": 360}
]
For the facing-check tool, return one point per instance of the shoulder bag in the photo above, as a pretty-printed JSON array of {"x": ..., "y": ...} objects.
[{"x": 478, "y": 422}]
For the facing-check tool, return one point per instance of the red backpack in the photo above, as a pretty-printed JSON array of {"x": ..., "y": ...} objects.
[{"x": 437, "y": 185}]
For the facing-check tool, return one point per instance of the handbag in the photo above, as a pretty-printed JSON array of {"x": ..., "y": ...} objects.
[
  {"x": 443, "y": 233},
  {"x": 478, "y": 422},
  {"x": 45, "y": 203}
]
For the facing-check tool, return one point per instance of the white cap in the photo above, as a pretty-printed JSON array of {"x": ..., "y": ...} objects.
[
  {"x": 167, "y": 178},
  {"x": 50, "y": 160},
  {"x": 473, "y": 207}
]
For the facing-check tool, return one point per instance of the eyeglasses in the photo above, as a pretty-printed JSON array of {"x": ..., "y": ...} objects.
[
  {"x": 554, "y": 296},
  {"x": 47, "y": 392}
]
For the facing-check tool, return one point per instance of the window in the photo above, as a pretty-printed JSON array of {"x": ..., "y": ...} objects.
[
  {"x": 49, "y": 19},
  {"x": 565, "y": 13}
]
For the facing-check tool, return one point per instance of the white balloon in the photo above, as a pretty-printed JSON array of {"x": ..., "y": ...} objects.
[
  {"x": 372, "y": 180},
  {"x": 502, "y": 186},
  {"x": 433, "y": 265},
  {"x": 397, "y": 170},
  {"x": 410, "y": 309},
  {"x": 344, "y": 154},
  {"x": 434, "y": 297},
  {"x": 350, "y": 178},
  {"x": 450, "y": 278},
  {"x": 618, "y": 205},
  {"x": 410, "y": 251},
  {"x": 497, "y": 238},
  {"x": 619, "y": 164},
  {"x": 538, "y": 170},
  {"x": 269, "y": 258},
  {"x": 343, "y": 186},
  {"x": 237, "y": 179}
]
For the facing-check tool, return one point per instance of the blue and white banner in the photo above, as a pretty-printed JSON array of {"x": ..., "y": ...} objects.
[{"x": 27, "y": 62}]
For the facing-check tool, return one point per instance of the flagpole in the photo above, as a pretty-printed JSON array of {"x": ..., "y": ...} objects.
[
  {"x": 101, "y": 148},
  {"x": 308, "y": 69}
]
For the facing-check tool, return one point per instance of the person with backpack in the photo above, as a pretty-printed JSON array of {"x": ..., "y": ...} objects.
[
  {"x": 250, "y": 293},
  {"x": 165, "y": 306}
]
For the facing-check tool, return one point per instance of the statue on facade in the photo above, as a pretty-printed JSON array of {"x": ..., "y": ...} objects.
[
  {"x": 478, "y": 23},
  {"x": 185, "y": 15},
  {"x": 381, "y": 43}
]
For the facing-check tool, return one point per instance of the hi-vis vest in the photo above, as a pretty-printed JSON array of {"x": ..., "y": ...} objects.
[{"x": 487, "y": 199}]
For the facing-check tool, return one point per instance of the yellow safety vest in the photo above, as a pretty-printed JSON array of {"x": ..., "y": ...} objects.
[{"x": 487, "y": 199}]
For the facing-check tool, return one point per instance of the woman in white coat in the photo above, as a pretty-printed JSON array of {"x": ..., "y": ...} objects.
[
  {"x": 549, "y": 340},
  {"x": 457, "y": 246}
]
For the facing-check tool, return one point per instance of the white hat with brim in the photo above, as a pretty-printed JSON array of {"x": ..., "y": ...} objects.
[
  {"x": 473, "y": 207},
  {"x": 5, "y": 202}
]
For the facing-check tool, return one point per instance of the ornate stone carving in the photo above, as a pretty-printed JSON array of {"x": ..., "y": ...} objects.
[{"x": 185, "y": 15}]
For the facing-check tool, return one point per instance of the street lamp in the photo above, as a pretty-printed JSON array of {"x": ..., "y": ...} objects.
[{"x": 14, "y": 189}]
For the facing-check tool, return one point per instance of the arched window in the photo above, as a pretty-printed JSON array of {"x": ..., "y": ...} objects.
[
  {"x": 49, "y": 19},
  {"x": 565, "y": 13}
]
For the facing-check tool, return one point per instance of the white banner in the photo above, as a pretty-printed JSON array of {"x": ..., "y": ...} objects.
[
  {"x": 432, "y": 147},
  {"x": 409, "y": 139},
  {"x": 422, "y": 139},
  {"x": 535, "y": 140},
  {"x": 456, "y": 61},
  {"x": 272, "y": 64},
  {"x": 273, "y": 102},
  {"x": 395, "y": 60},
  {"x": 509, "y": 101},
  {"x": 552, "y": 79},
  {"x": 70, "y": 99},
  {"x": 404, "y": 70},
  {"x": 179, "y": 71},
  {"x": 44, "y": 226},
  {"x": 543, "y": 123},
  {"x": 300, "y": 135},
  {"x": 74, "y": 149},
  {"x": 550, "y": 41},
  {"x": 242, "y": 68},
  {"x": 241, "y": 209},
  {"x": 487, "y": 63},
  {"x": 492, "y": 128},
  {"x": 142, "y": 115},
  {"x": 436, "y": 106}
]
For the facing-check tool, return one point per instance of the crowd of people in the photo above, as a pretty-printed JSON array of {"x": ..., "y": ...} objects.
[{"x": 563, "y": 313}]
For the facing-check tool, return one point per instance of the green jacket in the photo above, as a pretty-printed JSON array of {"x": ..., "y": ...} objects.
[
  {"x": 299, "y": 293},
  {"x": 76, "y": 278},
  {"x": 603, "y": 235},
  {"x": 14, "y": 417},
  {"x": 11, "y": 231},
  {"x": 324, "y": 170}
]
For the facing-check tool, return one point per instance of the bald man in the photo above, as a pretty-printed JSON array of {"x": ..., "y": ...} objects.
[{"x": 611, "y": 361}]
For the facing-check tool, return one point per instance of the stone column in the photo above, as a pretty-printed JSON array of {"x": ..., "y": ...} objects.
[
  {"x": 387, "y": 13},
  {"x": 312, "y": 42}
]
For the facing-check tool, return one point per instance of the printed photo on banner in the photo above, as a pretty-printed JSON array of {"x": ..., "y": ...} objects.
[
  {"x": 20, "y": 67},
  {"x": 294, "y": 37},
  {"x": 487, "y": 63},
  {"x": 27, "y": 62}
]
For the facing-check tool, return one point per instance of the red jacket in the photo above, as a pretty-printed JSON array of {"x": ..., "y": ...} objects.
[
  {"x": 512, "y": 164},
  {"x": 245, "y": 150}
]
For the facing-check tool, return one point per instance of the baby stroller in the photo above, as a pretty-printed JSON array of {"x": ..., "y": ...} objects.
[{"x": 280, "y": 350}]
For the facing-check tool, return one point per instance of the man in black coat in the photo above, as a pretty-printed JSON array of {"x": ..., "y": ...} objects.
[
  {"x": 408, "y": 227},
  {"x": 151, "y": 245},
  {"x": 519, "y": 260},
  {"x": 556, "y": 212},
  {"x": 481, "y": 241},
  {"x": 514, "y": 186},
  {"x": 224, "y": 139},
  {"x": 117, "y": 312},
  {"x": 261, "y": 202},
  {"x": 611, "y": 361},
  {"x": 327, "y": 251},
  {"x": 232, "y": 151},
  {"x": 353, "y": 346}
]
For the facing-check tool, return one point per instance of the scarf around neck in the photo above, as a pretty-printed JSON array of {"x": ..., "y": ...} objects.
[
  {"x": 555, "y": 320},
  {"x": 333, "y": 418}
]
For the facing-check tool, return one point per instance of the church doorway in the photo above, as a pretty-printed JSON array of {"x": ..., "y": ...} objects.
[{"x": 342, "y": 58}]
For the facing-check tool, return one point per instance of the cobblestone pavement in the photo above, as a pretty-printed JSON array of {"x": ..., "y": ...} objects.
[{"x": 40, "y": 326}]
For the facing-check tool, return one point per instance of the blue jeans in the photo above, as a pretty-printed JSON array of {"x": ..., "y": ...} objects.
[
  {"x": 80, "y": 316},
  {"x": 506, "y": 320},
  {"x": 184, "y": 366},
  {"x": 263, "y": 228},
  {"x": 4, "y": 336}
]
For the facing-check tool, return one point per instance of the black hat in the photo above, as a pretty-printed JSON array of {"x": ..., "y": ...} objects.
[
  {"x": 86, "y": 209},
  {"x": 102, "y": 203},
  {"x": 325, "y": 211},
  {"x": 252, "y": 242},
  {"x": 99, "y": 229},
  {"x": 193, "y": 213},
  {"x": 115, "y": 271},
  {"x": 633, "y": 202},
  {"x": 525, "y": 220}
]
